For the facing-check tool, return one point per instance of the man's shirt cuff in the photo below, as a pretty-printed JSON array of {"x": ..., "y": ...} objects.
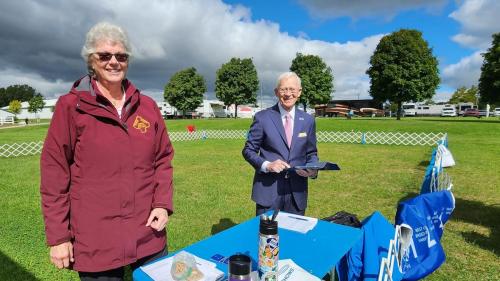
[{"x": 263, "y": 168}]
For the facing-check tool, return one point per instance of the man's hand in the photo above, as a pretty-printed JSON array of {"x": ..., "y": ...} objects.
[
  {"x": 277, "y": 166},
  {"x": 307, "y": 173},
  {"x": 62, "y": 255},
  {"x": 158, "y": 219}
]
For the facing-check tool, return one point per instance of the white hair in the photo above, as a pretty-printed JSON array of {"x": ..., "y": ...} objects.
[
  {"x": 286, "y": 75},
  {"x": 101, "y": 32}
]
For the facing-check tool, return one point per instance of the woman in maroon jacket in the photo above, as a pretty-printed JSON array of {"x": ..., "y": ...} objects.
[{"x": 106, "y": 173}]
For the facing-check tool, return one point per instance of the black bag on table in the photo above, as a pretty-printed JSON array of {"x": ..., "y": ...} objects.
[{"x": 344, "y": 218}]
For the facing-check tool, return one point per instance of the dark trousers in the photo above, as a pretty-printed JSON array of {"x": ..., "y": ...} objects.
[
  {"x": 284, "y": 202},
  {"x": 117, "y": 274}
]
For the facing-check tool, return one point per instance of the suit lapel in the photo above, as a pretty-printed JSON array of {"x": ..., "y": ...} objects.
[{"x": 278, "y": 123}]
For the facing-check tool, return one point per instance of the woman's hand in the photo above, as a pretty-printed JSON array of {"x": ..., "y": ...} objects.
[
  {"x": 62, "y": 255},
  {"x": 158, "y": 219}
]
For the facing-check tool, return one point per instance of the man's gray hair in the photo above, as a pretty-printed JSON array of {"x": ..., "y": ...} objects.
[
  {"x": 103, "y": 31},
  {"x": 288, "y": 75}
]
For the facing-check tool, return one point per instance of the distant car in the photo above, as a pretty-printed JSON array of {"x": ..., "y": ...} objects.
[
  {"x": 448, "y": 111},
  {"x": 472, "y": 112},
  {"x": 497, "y": 111}
]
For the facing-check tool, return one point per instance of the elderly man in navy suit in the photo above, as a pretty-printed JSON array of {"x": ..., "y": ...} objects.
[{"x": 282, "y": 137}]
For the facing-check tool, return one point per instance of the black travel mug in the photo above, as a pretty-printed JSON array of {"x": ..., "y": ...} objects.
[{"x": 240, "y": 266}]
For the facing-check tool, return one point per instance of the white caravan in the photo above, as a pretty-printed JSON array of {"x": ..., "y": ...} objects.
[
  {"x": 461, "y": 107},
  {"x": 167, "y": 111},
  {"x": 212, "y": 109},
  {"x": 244, "y": 111},
  {"x": 430, "y": 109},
  {"x": 209, "y": 108},
  {"x": 418, "y": 109},
  {"x": 409, "y": 109}
]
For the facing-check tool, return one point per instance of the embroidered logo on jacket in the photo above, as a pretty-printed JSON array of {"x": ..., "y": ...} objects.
[{"x": 141, "y": 124}]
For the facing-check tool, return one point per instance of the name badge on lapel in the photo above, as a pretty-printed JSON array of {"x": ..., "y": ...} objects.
[{"x": 302, "y": 135}]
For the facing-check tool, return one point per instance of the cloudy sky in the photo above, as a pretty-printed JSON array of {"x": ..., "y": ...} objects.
[{"x": 40, "y": 40}]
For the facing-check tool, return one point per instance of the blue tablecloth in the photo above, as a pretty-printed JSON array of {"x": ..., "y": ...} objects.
[{"x": 317, "y": 251}]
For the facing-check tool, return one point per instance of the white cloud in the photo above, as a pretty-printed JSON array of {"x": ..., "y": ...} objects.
[
  {"x": 464, "y": 73},
  {"x": 442, "y": 95},
  {"x": 15, "y": 77},
  {"x": 372, "y": 8},
  {"x": 167, "y": 36},
  {"x": 479, "y": 20}
]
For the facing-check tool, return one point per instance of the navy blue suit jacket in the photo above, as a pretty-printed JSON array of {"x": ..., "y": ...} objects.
[{"x": 266, "y": 141}]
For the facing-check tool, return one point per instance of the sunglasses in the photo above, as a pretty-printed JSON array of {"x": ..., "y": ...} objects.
[{"x": 118, "y": 56}]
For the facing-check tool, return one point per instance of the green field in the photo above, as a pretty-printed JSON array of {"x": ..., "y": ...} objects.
[{"x": 213, "y": 183}]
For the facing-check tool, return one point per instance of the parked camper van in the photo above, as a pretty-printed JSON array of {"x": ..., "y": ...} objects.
[
  {"x": 167, "y": 111},
  {"x": 409, "y": 109},
  {"x": 449, "y": 111},
  {"x": 461, "y": 107}
]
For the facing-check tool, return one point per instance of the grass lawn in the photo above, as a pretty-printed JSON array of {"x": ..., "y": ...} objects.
[{"x": 213, "y": 183}]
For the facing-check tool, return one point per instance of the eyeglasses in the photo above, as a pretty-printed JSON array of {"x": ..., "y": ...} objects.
[
  {"x": 287, "y": 90},
  {"x": 120, "y": 57}
]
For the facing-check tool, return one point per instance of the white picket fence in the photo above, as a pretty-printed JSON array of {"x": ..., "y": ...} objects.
[{"x": 388, "y": 138}]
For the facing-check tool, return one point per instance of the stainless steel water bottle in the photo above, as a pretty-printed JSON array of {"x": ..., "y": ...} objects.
[{"x": 268, "y": 250}]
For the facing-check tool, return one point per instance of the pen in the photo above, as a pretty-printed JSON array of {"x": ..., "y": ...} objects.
[
  {"x": 297, "y": 218},
  {"x": 276, "y": 211}
]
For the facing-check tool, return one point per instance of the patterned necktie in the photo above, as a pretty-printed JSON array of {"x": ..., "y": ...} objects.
[{"x": 288, "y": 129}]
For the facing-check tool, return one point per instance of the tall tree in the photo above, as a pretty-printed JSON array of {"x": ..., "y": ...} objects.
[
  {"x": 36, "y": 105},
  {"x": 16, "y": 92},
  {"x": 185, "y": 90},
  {"x": 15, "y": 107},
  {"x": 237, "y": 83},
  {"x": 403, "y": 69},
  {"x": 489, "y": 82},
  {"x": 3, "y": 97},
  {"x": 316, "y": 78},
  {"x": 464, "y": 94}
]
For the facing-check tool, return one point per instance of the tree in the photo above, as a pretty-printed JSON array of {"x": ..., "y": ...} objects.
[
  {"x": 464, "y": 94},
  {"x": 15, "y": 107},
  {"x": 316, "y": 78},
  {"x": 185, "y": 90},
  {"x": 429, "y": 102},
  {"x": 237, "y": 83},
  {"x": 16, "y": 92},
  {"x": 489, "y": 81},
  {"x": 403, "y": 69},
  {"x": 3, "y": 97},
  {"x": 36, "y": 104}
]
